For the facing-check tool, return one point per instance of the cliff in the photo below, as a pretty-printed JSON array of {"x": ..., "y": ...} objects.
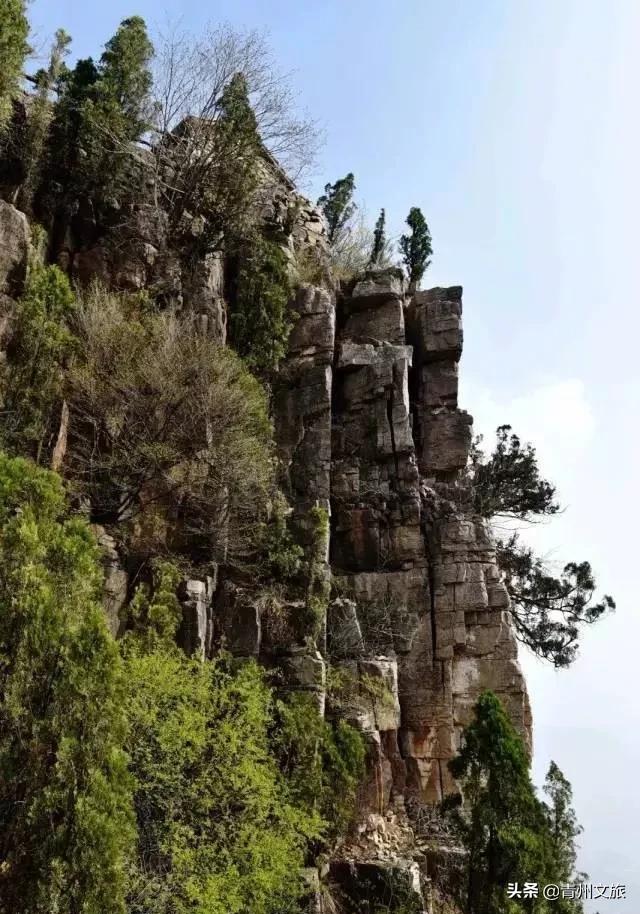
[{"x": 414, "y": 619}]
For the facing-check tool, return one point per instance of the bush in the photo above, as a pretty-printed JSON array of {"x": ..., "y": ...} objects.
[
  {"x": 169, "y": 431},
  {"x": 65, "y": 796},
  {"x": 322, "y": 761},
  {"x": 13, "y": 50},
  {"x": 41, "y": 346},
  {"x": 219, "y": 827}
]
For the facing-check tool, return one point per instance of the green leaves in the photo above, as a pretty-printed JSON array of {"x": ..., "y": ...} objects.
[
  {"x": 509, "y": 834},
  {"x": 508, "y": 482},
  {"x": 41, "y": 346},
  {"x": 219, "y": 827},
  {"x": 65, "y": 802},
  {"x": 548, "y": 609},
  {"x": 259, "y": 323},
  {"x": 416, "y": 247},
  {"x": 13, "y": 50},
  {"x": 338, "y": 207}
]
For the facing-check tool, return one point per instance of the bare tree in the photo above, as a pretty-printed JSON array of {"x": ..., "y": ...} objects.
[
  {"x": 205, "y": 163},
  {"x": 168, "y": 432},
  {"x": 190, "y": 76}
]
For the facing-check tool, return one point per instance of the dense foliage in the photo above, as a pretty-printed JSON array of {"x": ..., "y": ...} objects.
[
  {"x": 510, "y": 836},
  {"x": 101, "y": 109},
  {"x": 415, "y": 247},
  {"x": 548, "y": 608},
  {"x": 65, "y": 795},
  {"x": 220, "y": 829},
  {"x": 259, "y": 324},
  {"x": 41, "y": 346},
  {"x": 13, "y": 50},
  {"x": 338, "y": 207}
]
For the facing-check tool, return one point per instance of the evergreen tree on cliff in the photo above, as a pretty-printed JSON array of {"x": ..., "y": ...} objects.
[
  {"x": 548, "y": 608},
  {"x": 101, "y": 111},
  {"x": 416, "y": 247},
  {"x": 379, "y": 239},
  {"x": 337, "y": 205},
  {"x": 510, "y": 836},
  {"x": 14, "y": 31},
  {"x": 497, "y": 824}
]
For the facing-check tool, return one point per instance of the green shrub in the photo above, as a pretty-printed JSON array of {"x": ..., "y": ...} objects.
[
  {"x": 65, "y": 796},
  {"x": 13, "y": 50},
  {"x": 323, "y": 761},
  {"x": 219, "y": 829},
  {"x": 41, "y": 345},
  {"x": 259, "y": 326}
]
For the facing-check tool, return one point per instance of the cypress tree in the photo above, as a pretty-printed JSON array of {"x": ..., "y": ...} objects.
[
  {"x": 337, "y": 206},
  {"x": 416, "y": 247},
  {"x": 379, "y": 239},
  {"x": 66, "y": 820}
]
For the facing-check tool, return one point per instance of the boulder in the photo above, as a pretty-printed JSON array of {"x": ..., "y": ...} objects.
[{"x": 14, "y": 250}]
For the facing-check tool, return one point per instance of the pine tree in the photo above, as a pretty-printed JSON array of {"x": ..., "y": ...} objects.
[
  {"x": 337, "y": 205},
  {"x": 14, "y": 31},
  {"x": 501, "y": 824},
  {"x": 548, "y": 608},
  {"x": 379, "y": 239},
  {"x": 416, "y": 247},
  {"x": 66, "y": 820}
]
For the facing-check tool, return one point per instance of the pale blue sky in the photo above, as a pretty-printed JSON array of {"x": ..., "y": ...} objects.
[{"x": 514, "y": 125}]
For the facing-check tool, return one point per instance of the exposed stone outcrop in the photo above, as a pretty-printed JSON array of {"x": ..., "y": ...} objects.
[{"x": 420, "y": 623}]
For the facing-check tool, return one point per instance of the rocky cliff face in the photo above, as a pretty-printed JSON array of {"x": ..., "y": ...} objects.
[
  {"x": 369, "y": 426},
  {"x": 415, "y": 616}
]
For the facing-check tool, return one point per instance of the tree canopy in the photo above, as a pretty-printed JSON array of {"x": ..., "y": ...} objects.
[
  {"x": 415, "y": 247},
  {"x": 548, "y": 608},
  {"x": 510, "y": 836},
  {"x": 14, "y": 48},
  {"x": 66, "y": 822}
]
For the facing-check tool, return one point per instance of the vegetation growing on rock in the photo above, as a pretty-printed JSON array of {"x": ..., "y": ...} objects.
[
  {"x": 510, "y": 835},
  {"x": 549, "y": 609}
]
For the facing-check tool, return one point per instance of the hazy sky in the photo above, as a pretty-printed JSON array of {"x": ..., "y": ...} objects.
[{"x": 514, "y": 125}]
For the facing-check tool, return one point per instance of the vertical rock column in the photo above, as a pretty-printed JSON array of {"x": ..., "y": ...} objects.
[
  {"x": 377, "y": 551},
  {"x": 469, "y": 644}
]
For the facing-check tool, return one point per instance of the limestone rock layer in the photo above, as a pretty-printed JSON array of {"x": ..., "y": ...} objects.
[{"x": 369, "y": 426}]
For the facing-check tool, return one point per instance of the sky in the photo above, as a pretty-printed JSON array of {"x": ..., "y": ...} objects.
[{"x": 514, "y": 126}]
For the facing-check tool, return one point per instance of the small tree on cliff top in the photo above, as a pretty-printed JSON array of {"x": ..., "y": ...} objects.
[
  {"x": 416, "y": 247},
  {"x": 338, "y": 207},
  {"x": 379, "y": 240}
]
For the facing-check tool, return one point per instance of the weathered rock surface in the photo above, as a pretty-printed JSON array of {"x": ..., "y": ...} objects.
[{"x": 14, "y": 249}]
